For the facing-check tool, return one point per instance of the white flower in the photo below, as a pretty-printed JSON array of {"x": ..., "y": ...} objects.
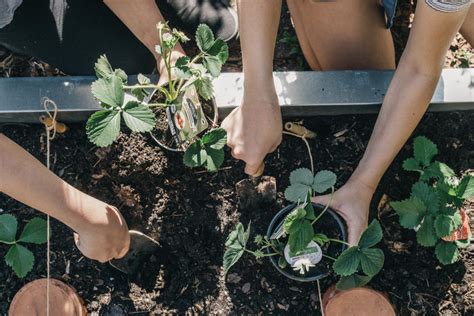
[
  {"x": 167, "y": 37},
  {"x": 302, "y": 264}
]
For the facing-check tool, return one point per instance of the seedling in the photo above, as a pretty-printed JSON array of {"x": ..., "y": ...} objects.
[
  {"x": 434, "y": 206},
  {"x": 186, "y": 80},
  {"x": 18, "y": 257},
  {"x": 356, "y": 265}
]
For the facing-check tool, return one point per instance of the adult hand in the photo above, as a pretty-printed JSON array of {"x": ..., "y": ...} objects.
[
  {"x": 105, "y": 236},
  {"x": 254, "y": 129},
  {"x": 352, "y": 202}
]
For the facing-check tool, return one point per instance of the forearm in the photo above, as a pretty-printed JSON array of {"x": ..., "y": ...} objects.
[
  {"x": 141, "y": 17},
  {"x": 410, "y": 91},
  {"x": 27, "y": 180},
  {"x": 258, "y": 22}
]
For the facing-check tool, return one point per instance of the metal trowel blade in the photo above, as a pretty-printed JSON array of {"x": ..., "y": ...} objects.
[{"x": 141, "y": 248}]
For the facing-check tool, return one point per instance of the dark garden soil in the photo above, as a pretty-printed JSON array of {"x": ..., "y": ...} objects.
[{"x": 190, "y": 212}]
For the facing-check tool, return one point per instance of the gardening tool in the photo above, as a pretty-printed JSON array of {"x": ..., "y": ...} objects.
[
  {"x": 141, "y": 248},
  {"x": 31, "y": 299},
  {"x": 256, "y": 189}
]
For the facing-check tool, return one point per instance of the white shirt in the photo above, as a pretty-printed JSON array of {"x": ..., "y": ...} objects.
[{"x": 7, "y": 9}]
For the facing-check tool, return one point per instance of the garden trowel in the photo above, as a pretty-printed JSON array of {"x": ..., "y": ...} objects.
[
  {"x": 256, "y": 189},
  {"x": 141, "y": 248}
]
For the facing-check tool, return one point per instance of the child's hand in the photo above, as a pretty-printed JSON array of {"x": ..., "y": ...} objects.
[{"x": 105, "y": 237}]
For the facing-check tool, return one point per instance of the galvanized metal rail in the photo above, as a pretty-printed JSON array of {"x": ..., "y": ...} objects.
[{"x": 300, "y": 94}]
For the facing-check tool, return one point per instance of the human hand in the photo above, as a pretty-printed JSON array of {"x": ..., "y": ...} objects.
[
  {"x": 105, "y": 235},
  {"x": 351, "y": 202},
  {"x": 254, "y": 129}
]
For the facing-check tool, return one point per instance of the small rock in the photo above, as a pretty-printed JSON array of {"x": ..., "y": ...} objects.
[
  {"x": 246, "y": 288},
  {"x": 233, "y": 278}
]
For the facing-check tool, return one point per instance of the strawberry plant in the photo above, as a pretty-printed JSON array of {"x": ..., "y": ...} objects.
[
  {"x": 356, "y": 265},
  {"x": 434, "y": 208},
  {"x": 18, "y": 257},
  {"x": 187, "y": 80}
]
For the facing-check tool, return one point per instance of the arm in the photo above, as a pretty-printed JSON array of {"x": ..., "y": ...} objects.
[
  {"x": 102, "y": 233},
  {"x": 407, "y": 99},
  {"x": 141, "y": 17},
  {"x": 254, "y": 129}
]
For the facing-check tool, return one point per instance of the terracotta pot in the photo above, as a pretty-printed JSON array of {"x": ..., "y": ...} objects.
[
  {"x": 360, "y": 301},
  {"x": 31, "y": 300},
  {"x": 463, "y": 232}
]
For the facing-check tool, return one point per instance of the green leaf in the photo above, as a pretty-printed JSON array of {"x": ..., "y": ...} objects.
[
  {"x": 372, "y": 235},
  {"x": 219, "y": 49},
  {"x": 204, "y": 37},
  {"x": 216, "y": 138},
  {"x": 348, "y": 262},
  {"x": 411, "y": 164},
  {"x": 102, "y": 68},
  {"x": 410, "y": 211},
  {"x": 214, "y": 159},
  {"x": 103, "y": 127},
  {"x": 139, "y": 117},
  {"x": 446, "y": 224},
  {"x": 8, "y": 227},
  {"x": 444, "y": 169},
  {"x": 463, "y": 243},
  {"x": 213, "y": 65},
  {"x": 282, "y": 262},
  {"x": 294, "y": 219},
  {"x": 20, "y": 259},
  {"x": 231, "y": 256},
  {"x": 426, "y": 235},
  {"x": 437, "y": 170},
  {"x": 35, "y": 231},
  {"x": 204, "y": 88},
  {"x": 424, "y": 150},
  {"x": 352, "y": 281},
  {"x": 181, "y": 69},
  {"x": 301, "y": 175},
  {"x": 447, "y": 252},
  {"x": 321, "y": 239},
  {"x": 371, "y": 260},
  {"x": 233, "y": 238},
  {"x": 195, "y": 155},
  {"x": 143, "y": 80},
  {"x": 297, "y": 192},
  {"x": 428, "y": 195},
  {"x": 324, "y": 180},
  {"x": 309, "y": 210},
  {"x": 465, "y": 189},
  {"x": 300, "y": 239},
  {"x": 109, "y": 91}
]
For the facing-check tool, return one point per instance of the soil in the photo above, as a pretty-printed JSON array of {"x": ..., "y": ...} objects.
[{"x": 190, "y": 212}]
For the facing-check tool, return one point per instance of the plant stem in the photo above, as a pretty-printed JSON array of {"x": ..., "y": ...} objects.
[
  {"x": 195, "y": 59},
  {"x": 8, "y": 242},
  {"x": 340, "y": 241},
  {"x": 325, "y": 209},
  {"x": 143, "y": 86},
  {"x": 329, "y": 257},
  {"x": 264, "y": 255},
  {"x": 164, "y": 105}
]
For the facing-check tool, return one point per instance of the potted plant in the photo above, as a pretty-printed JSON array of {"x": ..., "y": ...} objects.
[
  {"x": 435, "y": 206},
  {"x": 173, "y": 113},
  {"x": 18, "y": 257},
  {"x": 305, "y": 241}
]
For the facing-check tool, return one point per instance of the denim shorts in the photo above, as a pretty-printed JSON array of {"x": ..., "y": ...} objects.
[{"x": 390, "y": 7}]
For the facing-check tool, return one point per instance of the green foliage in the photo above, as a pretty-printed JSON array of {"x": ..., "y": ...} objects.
[
  {"x": 303, "y": 183},
  {"x": 18, "y": 257},
  {"x": 433, "y": 208},
  {"x": 207, "y": 151},
  {"x": 104, "y": 126},
  {"x": 359, "y": 259}
]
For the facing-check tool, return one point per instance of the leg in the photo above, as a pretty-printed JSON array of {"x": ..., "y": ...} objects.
[
  {"x": 467, "y": 29},
  {"x": 345, "y": 34}
]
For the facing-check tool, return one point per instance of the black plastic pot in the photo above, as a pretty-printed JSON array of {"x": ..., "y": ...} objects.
[{"x": 323, "y": 268}]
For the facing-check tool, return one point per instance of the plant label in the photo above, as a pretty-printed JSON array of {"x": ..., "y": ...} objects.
[
  {"x": 313, "y": 253},
  {"x": 187, "y": 119}
]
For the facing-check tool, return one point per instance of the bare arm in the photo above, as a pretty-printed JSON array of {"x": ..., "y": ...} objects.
[
  {"x": 141, "y": 17},
  {"x": 103, "y": 233},
  {"x": 411, "y": 89},
  {"x": 254, "y": 129}
]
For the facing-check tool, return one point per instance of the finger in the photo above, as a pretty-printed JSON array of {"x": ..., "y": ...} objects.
[
  {"x": 125, "y": 249},
  {"x": 77, "y": 240},
  {"x": 322, "y": 199},
  {"x": 254, "y": 170}
]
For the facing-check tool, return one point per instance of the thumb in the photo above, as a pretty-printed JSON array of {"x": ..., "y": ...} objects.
[
  {"x": 254, "y": 170},
  {"x": 322, "y": 199},
  {"x": 125, "y": 249}
]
